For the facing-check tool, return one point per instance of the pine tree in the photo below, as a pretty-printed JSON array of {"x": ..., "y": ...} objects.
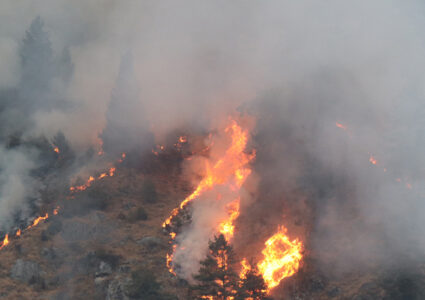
[
  {"x": 252, "y": 286},
  {"x": 216, "y": 276},
  {"x": 126, "y": 128},
  {"x": 36, "y": 60}
]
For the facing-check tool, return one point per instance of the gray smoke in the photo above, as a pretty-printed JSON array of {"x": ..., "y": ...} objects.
[{"x": 360, "y": 64}]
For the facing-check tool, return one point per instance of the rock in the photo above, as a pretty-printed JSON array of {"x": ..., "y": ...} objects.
[
  {"x": 101, "y": 286},
  {"x": 27, "y": 271},
  {"x": 150, "y": 242},
  {"x": 118, "y": 289},
  {"x": 334, "y": 292},
  {"x": 103, "y": 270}
]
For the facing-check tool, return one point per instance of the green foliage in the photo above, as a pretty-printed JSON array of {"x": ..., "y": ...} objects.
[
  {"x": 144, "y": 285},
  {"x": 54, "y": 227},
  {"x": 252, "y": 286},
  {"x": 216, "y": 276},
  {"x": 108, "y": 257},
  {"x": 149, "y": 193}
]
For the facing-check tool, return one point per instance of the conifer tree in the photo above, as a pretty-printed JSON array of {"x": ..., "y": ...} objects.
[
  {"x": 216, "y": 276},
  {"x": 36, "y": 60},
  {"x": 252, "y": 286}
]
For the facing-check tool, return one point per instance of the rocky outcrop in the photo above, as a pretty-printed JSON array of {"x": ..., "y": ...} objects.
[
  {"x": 118, "y": 289},
  {"x": 27, "y": 271}
]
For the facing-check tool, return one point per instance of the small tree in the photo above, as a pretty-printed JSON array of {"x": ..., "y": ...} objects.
[
  {"x": 252, "y": 286},
  {"x": 216, "y": 277}
]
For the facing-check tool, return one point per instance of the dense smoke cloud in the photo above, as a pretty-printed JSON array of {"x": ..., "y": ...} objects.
[{"x": 305, "y": 65}]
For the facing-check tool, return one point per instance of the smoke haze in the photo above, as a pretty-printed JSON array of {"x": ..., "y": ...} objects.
[{"x": 300, "y": 67}]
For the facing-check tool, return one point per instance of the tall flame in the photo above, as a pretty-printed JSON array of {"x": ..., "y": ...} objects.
[
  {"x": 231, "y": 164},
  {"x": 281, "y": 258},
  {"x": 227, "y": 226},
  {"x": 5, "y": 241},
  {"x": 232, "y": 170}
]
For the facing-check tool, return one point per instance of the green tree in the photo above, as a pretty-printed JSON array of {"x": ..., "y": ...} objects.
[
  {"x": 252, "y": 286},
  {"x": 216, "y": 277}
]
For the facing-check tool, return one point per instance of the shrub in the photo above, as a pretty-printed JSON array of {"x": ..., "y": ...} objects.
[
  {"x": 138, "y": 214},
  {"x": 144, "y": 285},
  {"x": 149, "y": 193}
]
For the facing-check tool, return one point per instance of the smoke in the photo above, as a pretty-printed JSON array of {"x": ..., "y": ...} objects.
[
  {"x": 16, "y": 186},
  {"x": 301, "y": 67}
]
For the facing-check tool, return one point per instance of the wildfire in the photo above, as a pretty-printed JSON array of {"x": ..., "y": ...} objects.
[
  {"x": 339, "y": 125},
  {"x": 56, "y": 149},
  {"x": 5, "y": 241},
  {"x": 56, "y": 210},
  {"x": 91, "y": 179},
  {"x": 231, "y": 170},
  {"x": 19, "y": 231},
  {"x": 373, "y": 160},
  {"x": 245, "y": 268},
  {"x": 100, "y": 147},
  {"x": 281, "y": 258},
  {"x": 227, "y": 227},
  {"x": 38, "y": 220},
  {"x": 231, "y": 165}
]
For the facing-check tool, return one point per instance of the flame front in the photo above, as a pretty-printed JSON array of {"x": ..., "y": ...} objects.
[
  {"x": 230, "y": 170},
  {"x": 281, "y": 258},
  {"x": 91, "y": 179},
  {"x": 37, "y": 221},
  {"x": 231, "y": 165}
]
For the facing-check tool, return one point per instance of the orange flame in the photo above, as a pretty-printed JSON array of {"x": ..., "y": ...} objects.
[
  {"x": 339, "y": 125},
  {"x": 227, "y": 227},
  {"x": 56, "y": 210},
  {"x": 281, "y": 258},
  {"x": 38, "y": 220},
  {"x": 231, "y": 170},
  {"x": 245, "y": 268},
  {"x": 5, "y": 241},
  {"x": 373, "y": 160},
  {"x": 232, "y": 164},
  {"x": 56, "y": 149}
]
